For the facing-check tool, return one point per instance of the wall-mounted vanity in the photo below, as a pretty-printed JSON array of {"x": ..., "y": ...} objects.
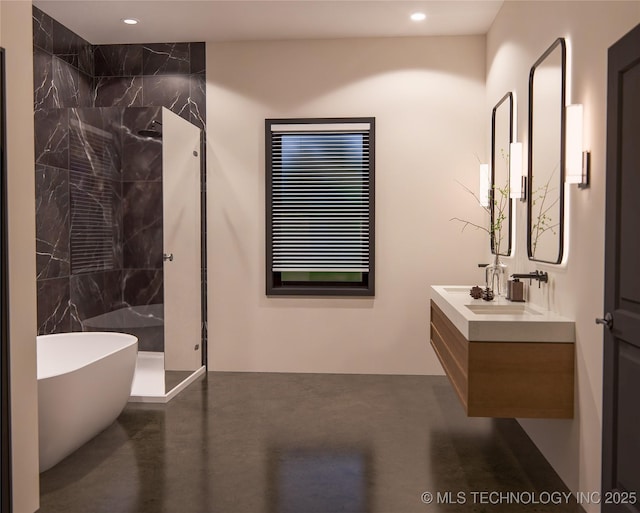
[{"x": 504, "y": 359}]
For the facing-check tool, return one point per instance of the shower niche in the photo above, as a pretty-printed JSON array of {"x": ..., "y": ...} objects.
[{"x": 135, "y": 238}]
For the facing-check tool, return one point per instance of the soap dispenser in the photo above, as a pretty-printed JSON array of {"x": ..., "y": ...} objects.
[{"x": 515, "y": 290}]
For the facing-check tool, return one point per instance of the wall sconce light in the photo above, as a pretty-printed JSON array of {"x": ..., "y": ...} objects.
[
  {"x": 577, "y": 161},
  {"x": 517, "y": 181},
  {"x": 485, "y": 184}
]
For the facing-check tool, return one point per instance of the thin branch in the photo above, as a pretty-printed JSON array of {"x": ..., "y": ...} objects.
[
  {"x": 469, "y": 223},
  {"x": 486, "y": 209},
  {"x": 541, "y": 226}
]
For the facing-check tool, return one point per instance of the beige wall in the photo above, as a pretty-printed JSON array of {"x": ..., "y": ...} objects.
[
  {"x": 15, "y": 37},
  {"x": 427, "y": 95},
  {"x": 519, "y": 35}
]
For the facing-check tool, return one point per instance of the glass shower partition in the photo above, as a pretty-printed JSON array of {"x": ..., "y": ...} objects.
[
  {"x": 182, "y": 251},
  {"x": 135, "y": 238}
]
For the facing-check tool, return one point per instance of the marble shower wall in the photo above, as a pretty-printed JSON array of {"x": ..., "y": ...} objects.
[
  {"x": 63, "y": 69},
  {"x": 63, "y": 80},
  {"x": 170, "y": 75},
  {"x": 96, "y": 213},
  {"x": 142, "y": 280},
  {"x": 71, "y": 76}
]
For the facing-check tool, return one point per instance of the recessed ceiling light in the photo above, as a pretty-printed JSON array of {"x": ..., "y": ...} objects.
[
  {"x": 130, "y": 21},
  {"x": 418, "y": 16}
]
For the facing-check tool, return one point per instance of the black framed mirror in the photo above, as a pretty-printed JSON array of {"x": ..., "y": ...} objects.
[
  {"x": 5, "y": 420},
  {"x": 500, "y": 201},
  {"x": 545, "y": 211}
]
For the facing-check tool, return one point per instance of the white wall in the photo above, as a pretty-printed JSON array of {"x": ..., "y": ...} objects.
[
  {"x": 428, "y": 97},
  {"x": 520, "y": 34},
  {"x": 16, "y": 38}
]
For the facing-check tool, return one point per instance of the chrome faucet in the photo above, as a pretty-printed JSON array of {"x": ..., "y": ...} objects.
[{"x": 541, "y": 276}]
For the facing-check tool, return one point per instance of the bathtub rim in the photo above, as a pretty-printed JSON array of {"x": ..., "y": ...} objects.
[{"x": 133, "y": 340}]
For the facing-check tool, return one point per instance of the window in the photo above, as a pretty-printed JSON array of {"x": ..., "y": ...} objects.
[{"x": 320, "y": 206}]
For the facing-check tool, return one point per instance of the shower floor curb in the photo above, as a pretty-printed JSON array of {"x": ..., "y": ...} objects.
[{"x": 165, "y": 398}]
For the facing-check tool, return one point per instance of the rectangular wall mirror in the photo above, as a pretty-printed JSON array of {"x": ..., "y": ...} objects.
[
  {"x": 545, "y": 212},
  {"x": 501, "y": 139}
]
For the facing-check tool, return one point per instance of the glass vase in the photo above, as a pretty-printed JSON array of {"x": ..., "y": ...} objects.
[{"x": 496, "y": 277}]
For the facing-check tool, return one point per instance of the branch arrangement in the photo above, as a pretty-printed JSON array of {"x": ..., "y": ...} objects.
[
  {"x": 499, "y": 200},
  {"x": 543, "y": 222},
  {"x": 542, "y": 204}
]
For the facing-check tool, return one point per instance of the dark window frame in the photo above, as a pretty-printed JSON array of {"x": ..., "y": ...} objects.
[{"x": 274, "y": 284}]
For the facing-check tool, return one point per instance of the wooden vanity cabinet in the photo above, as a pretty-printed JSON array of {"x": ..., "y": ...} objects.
[{"x": 505, "y": 379}]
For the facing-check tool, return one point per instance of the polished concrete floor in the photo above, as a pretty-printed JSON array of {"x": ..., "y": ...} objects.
[{"x": 304, "y": 443}]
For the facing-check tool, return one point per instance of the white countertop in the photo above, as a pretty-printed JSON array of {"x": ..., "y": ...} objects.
[{"x": 477, "y": 319}]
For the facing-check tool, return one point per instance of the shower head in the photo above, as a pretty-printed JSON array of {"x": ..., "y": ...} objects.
[{"x": 154, "y": 129}]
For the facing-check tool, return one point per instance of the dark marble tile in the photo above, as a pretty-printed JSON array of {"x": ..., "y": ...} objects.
[
  {"x": 95, "y": 193},
  {"x": 197, "y": 58},
  {"x": 86, "y": 93},
  {"x": 42, "y": 30},
  {"x": 142, "y": 287},
  {"x": 135, "y": 119},
  {"x": 112, "y": 117},
  {"x": 142, "y": 159},
  {"x": 86, "y": 58},
  {"x": 65, "y": 41},
  {"x": 113, "y": 123},
  {"x": 117, "y": 223},
  {"x": 96, "y": 136},
  {"x": 86, "y": 297},
  {"x": 52, "y": 222},
  {"x": 51, "y": 136},
  {"x": 142, "y": 156},
  {"x": 198, "y": 101},
  {"x": 82, "y": 118},
  {"x": 165, "y": 59},
  {"x": 118, "y": 60},
  {"x": 65, "y": 84},
  {"x": 71, "y": 48},
  {"x": 70, "y": 59},
  {"x": 43, "y": 88},
  {"x": 94, "y": 144},
  {"x": 53, "y": 306},
  {"x": 113, "y": 289},
  {"x": 118, "y": 91},
  {"x": 142, "y": 225},
  {"x": 88, "y": 254},
  {"x": 95, "y": 237},
  {"x": 150, "y": 338},
  {"x": 93, "y": 294},
  {"x": 171, "y": 92}
]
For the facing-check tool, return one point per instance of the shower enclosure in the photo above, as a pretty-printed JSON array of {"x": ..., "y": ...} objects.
[{"x": 135, "y": 238}]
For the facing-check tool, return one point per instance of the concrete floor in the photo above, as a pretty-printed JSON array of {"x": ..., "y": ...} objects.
[{"x": 303, "y": 443}]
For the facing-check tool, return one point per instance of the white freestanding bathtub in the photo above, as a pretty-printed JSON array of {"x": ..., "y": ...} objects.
[{"x": 84, "y": 382}]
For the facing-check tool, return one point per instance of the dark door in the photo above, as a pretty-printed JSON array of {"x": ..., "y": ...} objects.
[{"x": 621, "y": 403}]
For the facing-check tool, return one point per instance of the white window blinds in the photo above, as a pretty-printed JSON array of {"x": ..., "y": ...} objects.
[{"x": 320, "y": 197}]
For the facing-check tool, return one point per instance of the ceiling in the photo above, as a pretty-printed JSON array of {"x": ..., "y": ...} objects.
[{"x": 99, "y": 21}]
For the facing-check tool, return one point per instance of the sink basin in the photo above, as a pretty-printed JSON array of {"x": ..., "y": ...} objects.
[
  {"x": 493, "y": 309},
  {"x": 457, "y": 290}
]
